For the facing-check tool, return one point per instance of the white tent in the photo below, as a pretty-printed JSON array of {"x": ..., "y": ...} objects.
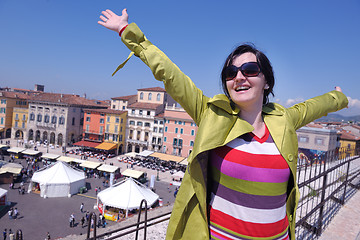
[
  {"x": 126, "y": 195},
  {"x": 59, "y": 180}
]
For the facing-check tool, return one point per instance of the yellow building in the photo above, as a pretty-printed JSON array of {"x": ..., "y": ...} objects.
[
  {"x": 19, "y": 120},
  {"x": 9, "y": 101},
  {"x": 349, "y": 144},
  {"x": 115, "y": 128}
]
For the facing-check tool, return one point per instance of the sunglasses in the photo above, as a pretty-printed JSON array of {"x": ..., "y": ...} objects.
[{"x": 249, "y": 69}]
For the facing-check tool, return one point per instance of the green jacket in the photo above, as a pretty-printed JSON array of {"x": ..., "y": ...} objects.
[{"x": 218, "y": 123}]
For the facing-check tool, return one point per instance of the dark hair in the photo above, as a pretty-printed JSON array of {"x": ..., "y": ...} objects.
[{"x": 263, "y": 62}]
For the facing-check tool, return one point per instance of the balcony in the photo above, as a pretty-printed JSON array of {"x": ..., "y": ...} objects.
[
  {"x": 46, "y": 126},
  {"x": 140, "y": 142}
]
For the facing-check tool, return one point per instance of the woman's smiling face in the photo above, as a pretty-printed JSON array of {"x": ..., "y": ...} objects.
[{"x": 244, "y": 91}]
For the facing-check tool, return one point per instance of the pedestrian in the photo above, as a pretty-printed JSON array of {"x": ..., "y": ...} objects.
[
  {"x": 48, "y": 236},
  {"x": 71, "y": 221},
  {"x": 19, "y": 235},
  {"x": 15, "y": 213},
  {"x": 10, "y": 213},
  {"x": 82, "y": 221},
  {"x": 245, "y": 154},
  {"x": 82, "y": 207},
  {"x": 96, "y": 190},
  {"x": 4, "y": 234},
  {"x": 11, "y": 235}
]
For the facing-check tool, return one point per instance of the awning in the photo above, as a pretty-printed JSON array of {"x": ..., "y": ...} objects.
[
  {"x": 106, "y": 146},
  {"x": 108, "y": 168},
  {"x": 83, "y": 143},
  {"x": 145, "y": 153},
  {"x": 12, "y": 170},
  {"x": 184, "y": 162},
  {"x": 90, "y": 164},
  {"x": 16, "y": 150},
  {"x": 132, "y": 173},
  {"x": 50, "y": 156},
  {"x": 76, "y": 160},
  {"x": 3, "y": 146},
  {"x": 30, "y": 152},
  {"x": 65, "y": 159},
  {"x": 167, "y": 157}
]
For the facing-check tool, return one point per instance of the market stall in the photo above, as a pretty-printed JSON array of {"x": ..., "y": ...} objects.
[
  {"x": 123, "y": 197},
  {"x": 59, "y": 180}
]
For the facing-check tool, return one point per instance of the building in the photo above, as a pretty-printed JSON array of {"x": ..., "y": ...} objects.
[
  {"x": 179, "y": 133},
  {"x": 318, "y": 138},
  {"x": 19, "y": 122},
  {"x": 9, "y": 101},
  {"x": 105, "y": 125},
  {"x": 58, "y": 118},
  {"x": 121, "y": 103}
]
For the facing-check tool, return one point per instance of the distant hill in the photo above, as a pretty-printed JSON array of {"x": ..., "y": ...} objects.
[{"x": 333, "y": 117}]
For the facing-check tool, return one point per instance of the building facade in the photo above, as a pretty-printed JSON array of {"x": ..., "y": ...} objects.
[
  {"x": 179, "y": 132},
  {"x": 121, "y": 103}
]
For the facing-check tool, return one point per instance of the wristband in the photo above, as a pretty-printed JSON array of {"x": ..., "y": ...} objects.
[{"x": 122, "y": 29}]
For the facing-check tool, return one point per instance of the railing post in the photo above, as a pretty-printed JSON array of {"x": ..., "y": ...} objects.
[
  {"x": 321, "y": 213},
  {"x": 92, "y": 216},
  {"x": 145, "y": 221},
  {"x": 346, "y": 182}
]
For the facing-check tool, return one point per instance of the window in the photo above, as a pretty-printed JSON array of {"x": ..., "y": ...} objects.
[
  {"x": 164, "y": 139},
  {"x": 106, "y": 136},
  {"x": 140, "y": 112},
  {"x": 47, "y": 118},
  {"x": 191, "y": 143},
  {"x": 117, "y": 120},
  {"x": 132, "y": 122},
  {"x": 180, "y": 122},
  {"x": 147, "y": 124},
  {"x": 165, "y": 129},
  {"x": 120, "y": 139},
  {"x": 116, "y": 129},
  {"x": 16, "y": 124},
  {"x": 181, "y": 131},
  {"x": 16, "y": 116},
  {"x": 61, "y": 120},
  {"x": 175, "y": 142},
  {"x": 88, "y": 119},
  {"x": 161, "y": 122},
  {"x": 155, "y": 121},
  {"x": 148, "y": 113},
  {"x": 39, "y": 117},
  {"x": 2, "y": 121},
  {"x": 159, "y": 141},
  {"x": 120, "y": 129},
  {"x": 192, "y": 132},
  {"x": 131, "y": 134},
  {"x": 23, "y": 125},
  {"x": 303, "y": 139},
  {"x": 87, "y": 128},
  {"x": 141, "y": 95},
  {"x": 73, "y": 121},
  {"x": 122, "y": 120},
  {"x": 53, "y": 119},
  {"x": 180, "y": 142},
  {"x": 175, "y": 122},
  {"x": 139, "y": 124},
  {"x": 160, "y": 130},
  {"x": 24, "y": 117},
  {"x": 149, "y": 96},
  {"x": 102, "y": 120},
  {"x": 132, "y": 111},
  {"x": 32, "y": 116},
  {"x": 101, "y": 129},
  {"x": 319, "y": 141},
  {"x": 101, "y": 114},
  {"x": 176, "y": 130},
  {"x": 113, "y": 106},
  {"x": 108, "y": 119},
  {"x": 158, "y": 97},
  {"x": 107, "y": 128},
  {"x": 115, "y": 137},
  {"x": 154, "y": 140},
  {"x": 123, "y": 107}
]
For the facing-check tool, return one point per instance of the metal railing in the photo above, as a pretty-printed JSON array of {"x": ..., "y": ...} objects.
[{"x": 325, "y": 183}]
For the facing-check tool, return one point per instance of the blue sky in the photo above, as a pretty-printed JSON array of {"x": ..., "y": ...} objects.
[{"x": 313, "y": 45}]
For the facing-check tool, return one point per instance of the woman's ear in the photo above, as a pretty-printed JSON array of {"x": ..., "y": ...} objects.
[{"x": 266, "y": 87}]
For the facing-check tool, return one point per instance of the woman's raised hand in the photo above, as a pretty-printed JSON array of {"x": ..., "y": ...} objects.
[{"x": 112, "y": 21}]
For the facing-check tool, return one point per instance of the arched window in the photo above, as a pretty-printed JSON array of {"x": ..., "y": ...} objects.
[
  {"x": 53, "y": 119},
  {"x": 39, "y": 117},
  {"x": 32, "y": 116},
  {"x": 61, "y": 120},
  {"x": 47, "y": 118},
  {"x": 158, "y": 97},
  {"x": 141, "y": 95},
  {"x": 150, "y": 96}
]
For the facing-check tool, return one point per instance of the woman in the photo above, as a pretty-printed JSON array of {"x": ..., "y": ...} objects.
[{"x": 241, "y": 179}]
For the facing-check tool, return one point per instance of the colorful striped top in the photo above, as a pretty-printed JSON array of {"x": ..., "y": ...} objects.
[{"x": 248, "y": 185}]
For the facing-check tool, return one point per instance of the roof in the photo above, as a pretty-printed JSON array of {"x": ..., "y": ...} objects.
[
  {"x": 90, "y": 164},
  {"x": 16, "y": 149},
  {"x": 106, "y": 110},
  {"x": 107, "y": 168},
  {"x": 132, "y": 173},
  {"x": 15, "y": 95},
  {"x": 70, "y": 99},
  {"x": 126, "y": 98},
  {"x": 348, "y": 136},
  {"x": 142, "y": 105},
  {"x": 153, "y": 89},
  {"x": 50, "y": 156}
]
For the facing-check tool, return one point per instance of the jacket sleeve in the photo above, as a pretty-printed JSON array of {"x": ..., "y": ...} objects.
[
  {"x": 314, "y": 108},
  {"x": 177, "y": 84}
]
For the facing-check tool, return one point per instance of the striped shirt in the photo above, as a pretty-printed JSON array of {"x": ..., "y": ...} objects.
[{"x": 248, "y": 185}]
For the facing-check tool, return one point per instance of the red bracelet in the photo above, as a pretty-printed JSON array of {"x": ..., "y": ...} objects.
[{"x": 122, "y": 29}]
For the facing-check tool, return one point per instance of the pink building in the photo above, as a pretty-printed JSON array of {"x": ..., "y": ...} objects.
[{"x": 179, "y": 133}]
